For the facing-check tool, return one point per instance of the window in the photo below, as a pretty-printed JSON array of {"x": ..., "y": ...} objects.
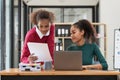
[{"x": 70, "y": 14}]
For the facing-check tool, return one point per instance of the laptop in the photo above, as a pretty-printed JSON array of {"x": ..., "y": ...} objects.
[{"x": 68, "y": 60}]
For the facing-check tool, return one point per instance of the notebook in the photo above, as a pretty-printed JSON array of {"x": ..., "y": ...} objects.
[{"x": 68, "y": 60}]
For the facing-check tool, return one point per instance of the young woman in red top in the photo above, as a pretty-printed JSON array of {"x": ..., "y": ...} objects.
[{"x": 42, "y": 32}]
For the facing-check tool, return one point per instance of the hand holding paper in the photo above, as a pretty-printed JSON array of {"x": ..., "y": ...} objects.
[
  {"x": 40, "y": 50},
  {"x": 32, "y": 58}
]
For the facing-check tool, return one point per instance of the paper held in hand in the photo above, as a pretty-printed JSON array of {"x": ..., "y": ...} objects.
[{"x": 40, "y": 50}]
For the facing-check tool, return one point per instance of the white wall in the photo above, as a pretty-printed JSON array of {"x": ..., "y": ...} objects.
[
  {"x": 110, "y": 15},
  {"x": 61, "y": 2}
]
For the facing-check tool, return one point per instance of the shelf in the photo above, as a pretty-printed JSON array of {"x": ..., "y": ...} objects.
[{"x": 63, "y": 23}]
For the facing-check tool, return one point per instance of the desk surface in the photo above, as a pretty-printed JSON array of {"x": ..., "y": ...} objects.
[{"x": 15, "y": 71}]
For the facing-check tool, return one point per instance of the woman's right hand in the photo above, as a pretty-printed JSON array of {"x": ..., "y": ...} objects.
[{"x": 32, "y": 58}]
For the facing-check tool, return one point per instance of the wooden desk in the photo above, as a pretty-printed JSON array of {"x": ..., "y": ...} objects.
[{"x": 15, "y": 74}]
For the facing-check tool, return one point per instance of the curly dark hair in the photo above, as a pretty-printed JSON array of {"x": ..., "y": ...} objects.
[
  {"x": 90, "y": 32},
  {"x": 35, "y": 17}
]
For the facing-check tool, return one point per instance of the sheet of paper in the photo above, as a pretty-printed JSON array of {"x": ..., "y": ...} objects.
[{"x": 41, "y": 50}]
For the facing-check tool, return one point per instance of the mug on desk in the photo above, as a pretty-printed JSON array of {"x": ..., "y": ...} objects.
[{"x": 47, "y": 65}]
